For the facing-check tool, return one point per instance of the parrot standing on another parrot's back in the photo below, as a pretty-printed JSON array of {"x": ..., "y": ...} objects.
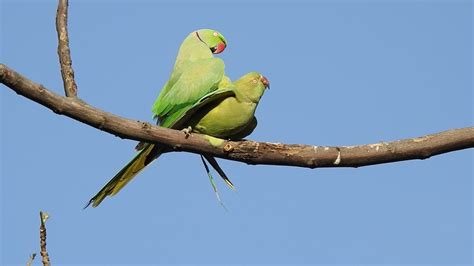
[{"x": 196, "y": 73}]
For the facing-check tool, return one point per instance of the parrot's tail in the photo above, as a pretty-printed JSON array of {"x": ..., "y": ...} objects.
[
  {"x": 219, "y": 170},
  {"x": 148, "y": 153}
]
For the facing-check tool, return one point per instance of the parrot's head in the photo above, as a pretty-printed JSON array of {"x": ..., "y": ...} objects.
[
  {"x": 213, "y": 39},
  {"x": 252, "y": 85}
]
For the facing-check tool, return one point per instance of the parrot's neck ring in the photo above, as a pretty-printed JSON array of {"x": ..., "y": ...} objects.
[{"x": 199, "y": 37}]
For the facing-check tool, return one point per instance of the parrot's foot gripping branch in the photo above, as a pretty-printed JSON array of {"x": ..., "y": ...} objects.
[{"x": 187, "y": 131}]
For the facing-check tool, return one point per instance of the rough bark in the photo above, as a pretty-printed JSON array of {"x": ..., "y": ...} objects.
[
  {"x": 64, "y": 53},
  {"x": 250, "y": 152},
  {"x": 44, "y": 252}
]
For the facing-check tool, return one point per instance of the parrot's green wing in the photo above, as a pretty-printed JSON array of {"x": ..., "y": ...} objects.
[
  {"x": 247, "y": 130},
  {"x": 198, "y": 45},
  {"x": 200, "y": 78},
  {"x": 180, "y": 119}
]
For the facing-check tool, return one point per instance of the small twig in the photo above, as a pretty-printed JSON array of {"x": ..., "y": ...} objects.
[
  {"x": 31, "y": 259},
  {"x": 44, "y": 252},
  {"x": 64, "y": 53}
]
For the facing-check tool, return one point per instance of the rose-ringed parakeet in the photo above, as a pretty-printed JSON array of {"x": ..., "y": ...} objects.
[
  {"x": 225, "y": 113},
  {"x": 230, "y": 118},
  {"x": 196, "y": 73}
]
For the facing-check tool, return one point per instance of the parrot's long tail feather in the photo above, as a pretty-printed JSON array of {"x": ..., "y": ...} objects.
[
  {"x": 211, "y": 179},
  {"x": 219, "y": 170},
  {"x": 148, "y": 153}
]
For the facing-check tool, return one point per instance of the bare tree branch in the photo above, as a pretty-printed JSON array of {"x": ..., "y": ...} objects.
[
  {"x": 44, "y": 252},
  {"x": 245, "y": 151},
  {"x": 31, "y": 259},
  {"x": 70, "y": 87}
]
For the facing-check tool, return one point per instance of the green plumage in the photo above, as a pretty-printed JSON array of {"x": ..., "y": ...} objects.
[
  {"x": 198, "y": 94},
  {"x": 232, "y": 116},
  {"x": 196, "y": 73}
]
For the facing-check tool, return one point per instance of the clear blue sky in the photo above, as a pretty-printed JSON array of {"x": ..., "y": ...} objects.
[{"x": 342, "y": 73}]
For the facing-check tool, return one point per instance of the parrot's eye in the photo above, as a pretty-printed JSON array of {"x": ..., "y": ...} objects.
[
  {"x": 255, "y": 81},
  {"x": 215, "y": 33}
]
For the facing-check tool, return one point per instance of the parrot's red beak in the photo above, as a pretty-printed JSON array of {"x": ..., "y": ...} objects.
[
  {"x": 219, "y": 48},
  {"x": 265, "y": 82}
]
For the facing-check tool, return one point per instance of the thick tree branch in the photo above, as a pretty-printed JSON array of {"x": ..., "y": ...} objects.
[
  {"x": 70, "y": 87},
  {"x": 245, "y": 151}
]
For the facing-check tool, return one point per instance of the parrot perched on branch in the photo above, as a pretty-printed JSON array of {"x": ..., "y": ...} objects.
[{"x": 198, "y": 96}]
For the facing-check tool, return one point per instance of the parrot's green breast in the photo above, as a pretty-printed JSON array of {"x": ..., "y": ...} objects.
[{"x": 224, "y": 119}]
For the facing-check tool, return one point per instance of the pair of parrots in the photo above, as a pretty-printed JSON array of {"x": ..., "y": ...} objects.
[{"x": 200, "y": 98}]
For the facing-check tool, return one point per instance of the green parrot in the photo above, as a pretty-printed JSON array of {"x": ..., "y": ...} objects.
[
  {"x": 232, "y": 116},
  {"x": 224, "y": 113},
  {"x": 196, "y": 73}
]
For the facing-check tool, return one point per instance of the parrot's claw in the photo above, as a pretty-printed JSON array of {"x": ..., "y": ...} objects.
[{"x": 187, "y": 131}]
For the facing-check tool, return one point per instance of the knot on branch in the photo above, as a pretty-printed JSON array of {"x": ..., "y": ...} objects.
[{"x": 228, "y": 148}]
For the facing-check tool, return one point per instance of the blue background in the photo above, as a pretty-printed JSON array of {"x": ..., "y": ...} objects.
[{"x": 342, "y": 73}]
